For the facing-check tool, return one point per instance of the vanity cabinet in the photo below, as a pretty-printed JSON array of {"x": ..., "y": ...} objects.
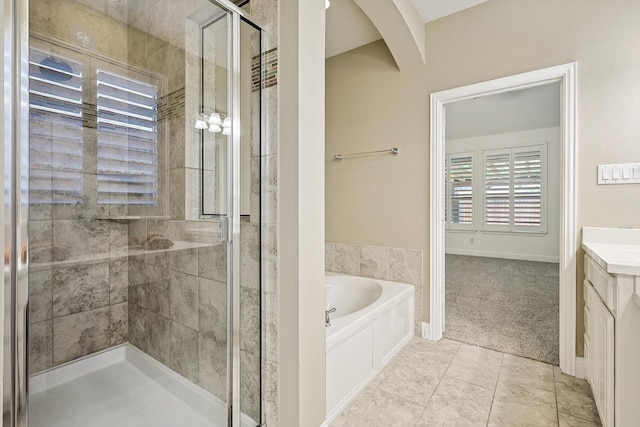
[
  {"x": 612, "y": 323},
  {"x": 599, "y": 348}
]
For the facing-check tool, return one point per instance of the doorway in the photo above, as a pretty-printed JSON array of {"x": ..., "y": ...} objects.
[
  {"x": 565, "y": 76},
  {"x": 502, "y": 192}
]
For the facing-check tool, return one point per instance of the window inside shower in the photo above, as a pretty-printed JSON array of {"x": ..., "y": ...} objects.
[{"x": 143, "y": 309}]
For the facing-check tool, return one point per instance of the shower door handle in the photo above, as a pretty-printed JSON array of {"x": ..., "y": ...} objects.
[{"x": 225, "y": 230}]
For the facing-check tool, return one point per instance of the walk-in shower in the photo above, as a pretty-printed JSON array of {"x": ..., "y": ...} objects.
[{"x": 132, "y": 144}]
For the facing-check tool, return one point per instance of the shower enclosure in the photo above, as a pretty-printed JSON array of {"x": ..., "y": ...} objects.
[{"x": 132, "y": 143}]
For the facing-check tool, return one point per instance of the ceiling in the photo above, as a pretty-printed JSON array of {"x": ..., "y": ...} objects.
[
  {"x": 525, "y": 109},
  {"x": 349, "y": 28}
]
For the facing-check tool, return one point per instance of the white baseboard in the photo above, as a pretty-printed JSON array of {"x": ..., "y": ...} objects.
[
  {"x": 503, "y": 255},
  {"x": 426, "y": 331},
  {"x": 581, "y": 368}
]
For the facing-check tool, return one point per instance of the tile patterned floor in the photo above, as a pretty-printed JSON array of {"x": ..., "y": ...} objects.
[{"x": 448, "y": 383}]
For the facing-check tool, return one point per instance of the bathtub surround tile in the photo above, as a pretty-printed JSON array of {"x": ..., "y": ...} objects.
[
  {"x": 79, "y": 334},
  {"x": 378, "y": 262},
  {"x": 476, "y": 365},
  {"x": 374, "y": 262},
  {"x": 417, "y": 310},
  {"x": 40, "y": 346},
  {"x": 329, "y": 250},
  {"x": 346, "y": 259},
  {"x": 184, "y": 351},
  {"x": 378, "y": 408},
  {"x": 405, "y": 266},
  {"x": 80, "y": 288},
  {"x": 457, "y": 403},
  {"x": 574, "y": 397}
]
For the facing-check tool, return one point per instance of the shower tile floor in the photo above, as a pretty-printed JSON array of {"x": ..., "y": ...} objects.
[
  {"x": 448, "y": 383},
  {"x": 123, "y": 394}
]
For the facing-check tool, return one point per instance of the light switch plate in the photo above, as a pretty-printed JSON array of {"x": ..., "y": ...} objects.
[{"x": 624, "y": 173}]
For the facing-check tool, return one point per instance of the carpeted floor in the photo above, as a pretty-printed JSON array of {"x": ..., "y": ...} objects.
[{"x": 505, "y": 305}]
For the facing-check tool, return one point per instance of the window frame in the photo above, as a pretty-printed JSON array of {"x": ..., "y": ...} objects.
[
  {"x": 512, "y": 152},
  {"x": 448, "y": 189}
]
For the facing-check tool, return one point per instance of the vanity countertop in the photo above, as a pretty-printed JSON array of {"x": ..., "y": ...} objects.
[{"x": 617, "y": 250}]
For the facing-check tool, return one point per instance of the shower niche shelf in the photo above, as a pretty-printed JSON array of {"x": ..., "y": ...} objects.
[
  {"x": 98, "y": 258},
  {"x": 127, "y": 218}
]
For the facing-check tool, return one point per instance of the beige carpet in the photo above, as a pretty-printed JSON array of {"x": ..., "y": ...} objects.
[{"x": 505, "y": 305}]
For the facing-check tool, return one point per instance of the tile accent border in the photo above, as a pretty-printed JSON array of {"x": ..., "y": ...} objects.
[
  {"x": 270, "y": 72},
  {"x": 380, "y": 262}
]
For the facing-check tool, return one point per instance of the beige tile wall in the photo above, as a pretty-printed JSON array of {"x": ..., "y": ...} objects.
[
  {"x": 379, "y": 262},
  {"x": 170, "y": 304}
]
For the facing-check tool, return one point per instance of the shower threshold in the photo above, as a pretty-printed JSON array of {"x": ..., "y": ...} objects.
[{"x": 121, "y": 387}]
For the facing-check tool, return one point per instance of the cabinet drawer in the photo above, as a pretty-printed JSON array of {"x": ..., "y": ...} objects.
[{"x": 602, "y": 282}]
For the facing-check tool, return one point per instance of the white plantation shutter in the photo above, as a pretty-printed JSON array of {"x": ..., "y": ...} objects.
[
  {"x": 446, "y": 190},
  {"x": 514, "y": 193},
  {"x": 55, "y": 129},
  {"x": 127, "y": 140},
  {"x": 527, "y": 187},
  {"x": 497, "y": 188},
  {"x": 459, "y": 194}
]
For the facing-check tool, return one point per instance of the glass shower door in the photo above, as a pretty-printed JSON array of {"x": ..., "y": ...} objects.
[{"x": 143, "y": 254}]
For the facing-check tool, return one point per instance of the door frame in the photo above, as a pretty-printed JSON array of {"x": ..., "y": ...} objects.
[{"x": 566, "y": 74}]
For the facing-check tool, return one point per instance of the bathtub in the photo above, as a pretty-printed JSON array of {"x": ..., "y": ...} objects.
[{"x": 372, "y": 322}]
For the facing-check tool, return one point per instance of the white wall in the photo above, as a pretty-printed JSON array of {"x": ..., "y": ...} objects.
[
  {"x": 301, "y": 331},
  {"x": 383, "y": 201},
  {"x": 533, "y": 247}
]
